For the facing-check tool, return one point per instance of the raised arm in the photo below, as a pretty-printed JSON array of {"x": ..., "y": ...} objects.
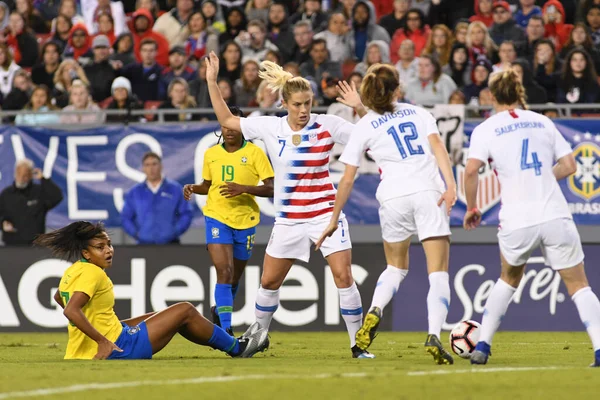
[
  {"x": 225, "y": 117},
  {"x": 349, "y": 96}
]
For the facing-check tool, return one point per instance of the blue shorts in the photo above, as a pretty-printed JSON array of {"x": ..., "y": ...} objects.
[
  {"x": 134, "y": 342},
  {"x": 241, "y": 239}
]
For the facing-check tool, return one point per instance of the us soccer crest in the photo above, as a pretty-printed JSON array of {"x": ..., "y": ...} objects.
[
  {"x": 313, "y": 138},
  {"x": 585, "y": 183},
  {"x": 488, "y": 191},
  {"x": 296, "y": 139}
]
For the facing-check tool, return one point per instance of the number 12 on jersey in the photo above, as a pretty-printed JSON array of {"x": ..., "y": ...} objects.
[
  {"x": 536, "y": 164},
  {"x": 403, "y": 128}
]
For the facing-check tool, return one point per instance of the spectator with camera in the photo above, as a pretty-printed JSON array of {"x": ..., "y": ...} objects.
[
  {"x": 68, "y": 71},
  {"x": 24, "y": 204},
  {"x": 254, "y": 42}
]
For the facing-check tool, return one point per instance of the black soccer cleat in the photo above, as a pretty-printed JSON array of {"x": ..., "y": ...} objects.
[
  {"x": 368, "y": 331},
  {"x": 230, "y": 332},
  {"x": 434, "y": 347},
  {"x": 357, "y": 352},
  {"x": 215, "y": 316}
]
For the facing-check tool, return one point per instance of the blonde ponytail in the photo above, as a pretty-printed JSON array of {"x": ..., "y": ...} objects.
[
  {"x": 282, "y": 81},
  {"x": 507, "y": 89}
]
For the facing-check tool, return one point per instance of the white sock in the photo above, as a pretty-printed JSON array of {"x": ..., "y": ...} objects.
[
  {"x": 495, "y": 308},
  {"x": 438, "y": 301},
  {"x": 351, "y": 308},
  {"x": 267, "y": 302},
  {"x": 387, "y": 286},
  {"x": 588, "y": 306}
]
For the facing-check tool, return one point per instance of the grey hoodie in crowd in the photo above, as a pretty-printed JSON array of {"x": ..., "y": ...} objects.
[
  {"x": 384, "y": 50},
  {"x": 4, "y": 22}
]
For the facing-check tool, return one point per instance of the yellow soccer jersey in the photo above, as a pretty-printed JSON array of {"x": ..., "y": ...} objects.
[
  {"x": 246, "y": 166},
  {"x": 93, "y": 281}
]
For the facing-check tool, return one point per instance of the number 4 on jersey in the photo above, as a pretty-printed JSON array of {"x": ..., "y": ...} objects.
[{"x": 536, "y": 164}]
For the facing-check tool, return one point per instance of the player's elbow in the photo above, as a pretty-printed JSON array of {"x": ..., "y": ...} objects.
[
  {"x": 569, "y": 163},
  {"x": 472, "y": 169}
]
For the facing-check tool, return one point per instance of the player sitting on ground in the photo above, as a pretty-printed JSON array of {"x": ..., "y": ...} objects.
[
  {"x": 405, "y": 143},
  {"x": 231, "y": 173},
  {"x": 87, "y": 296},
  {"x": 523, "y": 147}
]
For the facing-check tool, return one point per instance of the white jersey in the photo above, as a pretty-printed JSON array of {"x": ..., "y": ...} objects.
[
  {"x": 398, "y": 142},
  {"x": 303, "y": 188},
  {"x": 522, "y": 147}
]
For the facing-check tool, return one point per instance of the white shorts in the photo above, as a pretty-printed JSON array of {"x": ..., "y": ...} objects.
[
  {"x": 558, "y": 240},
  {"x": 416, "y": 213},
  {"x": 294, "y": 241}
]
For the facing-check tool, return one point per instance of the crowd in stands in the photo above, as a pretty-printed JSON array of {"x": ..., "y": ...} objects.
[{"x": 129, "y": 55}]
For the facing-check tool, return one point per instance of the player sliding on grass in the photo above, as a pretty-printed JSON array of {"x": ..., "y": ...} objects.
[
  {"x": 299, "y": 145},
  {"x": 405, "y": 143},
  {"x": 231, "y": 173},
  {"x": 87, "y": 296},
  {"x": 523, "y": 147}
]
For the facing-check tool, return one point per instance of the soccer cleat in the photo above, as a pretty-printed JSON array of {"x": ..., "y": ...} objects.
[
  {"x": 250, "y": 344},
  {"x": 357, "y": 352},
  {"x": 368, "y": 331},
  {"x": 481, "y": 353},
  {"x": 230, "y": 332},
  {"x": 434, "y": 347},
  {"x": 251, "y": 329},
  {"x": 215, "y": 316},
  {"x": 596, "y": 362}
]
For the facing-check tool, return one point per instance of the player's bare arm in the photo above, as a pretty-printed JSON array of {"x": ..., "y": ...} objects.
[
  {"x": 73, "y": 311},
  {"x": 225, "y": 117},
  {"x": 190, "y": 189},
  {"x": 343, "y": 193},
  {"x": 443, "y": 160},
  {"x": 232, "y": 189},
  {"x": 472, "y": 216},
  {"x": 565, "y": 167}
]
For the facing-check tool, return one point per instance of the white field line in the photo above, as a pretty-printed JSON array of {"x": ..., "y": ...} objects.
[
  {"x": 480, "y": 370},
  {"x": 217, "y": 379},
  {"x": 169, "y": 382}
]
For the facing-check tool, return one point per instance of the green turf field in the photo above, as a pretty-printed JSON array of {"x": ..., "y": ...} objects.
[{"x": 305, "y": 366}]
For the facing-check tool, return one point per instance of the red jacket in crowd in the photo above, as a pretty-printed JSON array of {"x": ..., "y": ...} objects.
[
  {"x": 488, "y": 20},
  {"x": 419, "y": 38},
  {"x": 162, "y": 55},
  {"x": 557, "y": 31}
]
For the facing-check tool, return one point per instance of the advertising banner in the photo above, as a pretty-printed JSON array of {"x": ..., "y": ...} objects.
[{"x": 151, "y": 278}]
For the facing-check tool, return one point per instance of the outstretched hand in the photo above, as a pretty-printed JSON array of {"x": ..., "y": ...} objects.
[
  {"x": 212, "y": 67},
  {"x": 348, "y": 94}
]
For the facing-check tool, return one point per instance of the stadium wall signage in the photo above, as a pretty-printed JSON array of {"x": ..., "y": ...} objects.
[{"x": 151, "y": 278}]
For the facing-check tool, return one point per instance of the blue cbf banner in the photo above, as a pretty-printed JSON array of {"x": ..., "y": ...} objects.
[
  {"x": 96, "y": 167},
  {"x": 581, "y": 189}
]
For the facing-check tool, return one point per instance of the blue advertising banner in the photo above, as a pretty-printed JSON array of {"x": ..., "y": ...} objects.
[
  {"x": 96, "y": 167},
  {"x": 580, "y": 189}
]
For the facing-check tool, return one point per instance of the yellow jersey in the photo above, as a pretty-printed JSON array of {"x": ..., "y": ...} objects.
[
  {"x": 92, "y": 280},
  {"x": 246, "y": 166}
]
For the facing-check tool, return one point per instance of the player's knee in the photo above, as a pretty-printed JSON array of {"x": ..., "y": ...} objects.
[
  {"x": 512, "y": 276},
  {"x": 225, "y": 274},
  {"x": 188, "y": 309},
  {"x": 270, "y": 284},
  {"x": 343, "y": 279}
]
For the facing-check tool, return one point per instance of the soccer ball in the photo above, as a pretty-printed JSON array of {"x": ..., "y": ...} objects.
[{"x": 464, "y": 338}]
